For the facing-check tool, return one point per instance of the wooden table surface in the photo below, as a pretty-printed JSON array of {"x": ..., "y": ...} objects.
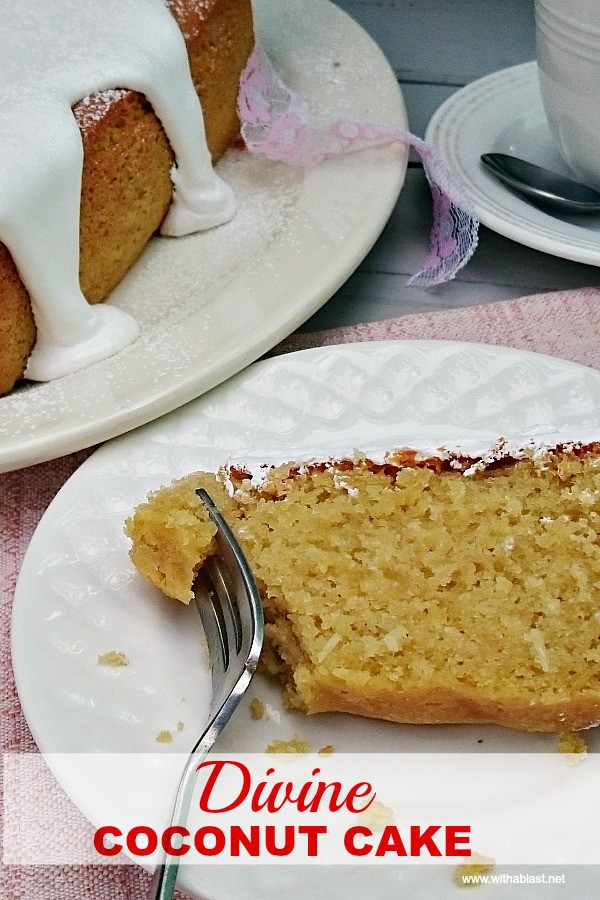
[{"x": 436, "y": 47}]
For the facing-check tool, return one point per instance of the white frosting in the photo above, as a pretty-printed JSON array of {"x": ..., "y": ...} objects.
[{"x": 53, "y": 53}]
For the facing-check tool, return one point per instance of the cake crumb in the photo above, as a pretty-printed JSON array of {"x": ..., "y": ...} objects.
[
  {"x": 113, "y": 658},
  {"x": 465, "y": 875},
  {"x": 180, "y": 726},
  {"x": 257, "y": 709},
  {"x": 164, "y": 737},
  {"x": 295, "y": 745},
  {"x": 373, "y": 589},
  {"x": 573, "y": 747},
  {"x": 328, "y": 748},
  {"x": 377, "y": 816}
]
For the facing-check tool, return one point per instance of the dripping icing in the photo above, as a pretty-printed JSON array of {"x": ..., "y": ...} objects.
[{"x": 53, "y": 53}]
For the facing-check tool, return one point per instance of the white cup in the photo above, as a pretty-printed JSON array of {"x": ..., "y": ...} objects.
[{"x": 568, "y": 58}]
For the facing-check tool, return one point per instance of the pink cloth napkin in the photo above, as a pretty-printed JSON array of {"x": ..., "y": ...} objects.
[{"x": 565, "y": 324}]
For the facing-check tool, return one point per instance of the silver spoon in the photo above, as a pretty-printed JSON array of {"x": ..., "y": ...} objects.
[{"x": 544, "y": 188}]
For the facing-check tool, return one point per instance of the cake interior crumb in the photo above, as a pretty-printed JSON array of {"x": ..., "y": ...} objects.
[
  {"x": 474, "y": 865},
  {"x": 573, "y": 746},
  {"x": 377, "y": 816},
  {"x": 407, "y": 591},
  {"x": 113, "y": 658},
  {"x": 257, "y": 709},
  {"x": 294, "y": 745}
]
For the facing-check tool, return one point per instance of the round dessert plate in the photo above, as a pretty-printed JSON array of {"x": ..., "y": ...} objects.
[
  {"x": 211, "y": 303},
  {"x": 78, "y": 595},
  {"x": 503, "y": 113}
]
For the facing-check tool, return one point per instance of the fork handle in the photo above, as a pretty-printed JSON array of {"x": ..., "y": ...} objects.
[
  {"x": 163, "y": 882},
  {"x": 165, "y": 875}
]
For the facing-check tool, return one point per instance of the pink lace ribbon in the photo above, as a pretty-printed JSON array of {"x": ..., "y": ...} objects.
[{"x": 275, "y": 122}]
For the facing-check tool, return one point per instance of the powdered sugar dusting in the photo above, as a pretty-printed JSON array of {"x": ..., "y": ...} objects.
[
  {"x": 189, "y": 20},
  {"x": 174, "y": 274},
  {"x": 93, "y": 108}
]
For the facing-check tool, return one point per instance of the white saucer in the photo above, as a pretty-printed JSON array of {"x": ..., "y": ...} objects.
[{"x": 503, "y": 112}]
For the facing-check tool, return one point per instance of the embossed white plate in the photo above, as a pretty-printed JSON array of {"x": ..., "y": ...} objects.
[
  {"x": 503, "y": 113},
  {"x": 211, "y": 303},
  {"x": 78, "y": 595}
]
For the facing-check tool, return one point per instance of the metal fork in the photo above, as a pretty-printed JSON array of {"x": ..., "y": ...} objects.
[{"x": 231, "y": 612}]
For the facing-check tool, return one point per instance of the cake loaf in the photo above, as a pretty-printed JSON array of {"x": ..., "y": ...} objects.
[
  {"x": 436, "y": 590},
  {"x": 126, "y": 188}
]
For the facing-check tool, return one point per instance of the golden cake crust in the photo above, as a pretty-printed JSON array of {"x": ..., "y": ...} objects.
[{"x": 126, "y": 187}]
